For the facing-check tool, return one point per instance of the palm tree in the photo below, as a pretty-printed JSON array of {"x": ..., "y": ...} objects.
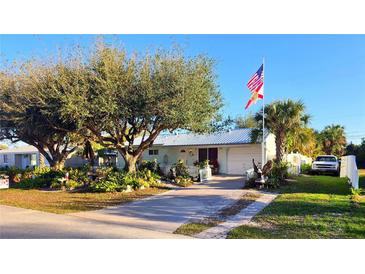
[
  {"x": 304, "y": 141},
  {"x": 333, "y": 140},
  {"x": 282, "y": 118}
]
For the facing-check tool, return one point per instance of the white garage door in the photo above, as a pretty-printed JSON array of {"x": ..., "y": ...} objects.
[{"x": 240, "y": 159}]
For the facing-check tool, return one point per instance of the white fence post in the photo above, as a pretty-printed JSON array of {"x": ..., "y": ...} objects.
[{"x": 349, "y": 170}]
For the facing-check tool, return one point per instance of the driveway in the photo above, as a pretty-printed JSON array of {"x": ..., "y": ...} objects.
[
  {"x": 167, "y": 211},
  {"x": 154, "y": 217},
  {"x": 20, "y": 223}
]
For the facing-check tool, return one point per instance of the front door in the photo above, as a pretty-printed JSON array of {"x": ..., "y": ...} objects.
[
  {"x": 18, "y": 160},
  {"x": 210, "y": 154}
]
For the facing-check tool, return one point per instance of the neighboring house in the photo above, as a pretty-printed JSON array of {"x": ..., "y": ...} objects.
[
  {"x": 20, "y": 157},
  {"x": 232, "y": 150}
]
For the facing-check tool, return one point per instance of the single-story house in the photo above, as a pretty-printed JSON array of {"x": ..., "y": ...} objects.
[
  {"x": 20, "y": 157},
  {"x": 28, "y": 156},
  {"x": 233, "y": 150}
]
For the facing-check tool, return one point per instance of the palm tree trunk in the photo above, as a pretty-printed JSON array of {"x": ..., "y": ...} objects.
[{"x": 279, "y": 141}]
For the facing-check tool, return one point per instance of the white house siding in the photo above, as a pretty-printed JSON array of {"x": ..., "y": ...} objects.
[
  {"x": 11, "y": 159},
  {"x": 232, "y": 159},
  {"x": 25, "y": 159},
  {"x": 270, "y": 147}
]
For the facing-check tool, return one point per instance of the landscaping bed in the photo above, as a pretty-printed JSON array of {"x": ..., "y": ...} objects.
[
  {"x": 78, "y": 189},
  {"x": 310, "y": 207}
]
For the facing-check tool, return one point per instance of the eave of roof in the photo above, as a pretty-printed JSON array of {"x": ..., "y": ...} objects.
[{"x": 232, "y": 137}]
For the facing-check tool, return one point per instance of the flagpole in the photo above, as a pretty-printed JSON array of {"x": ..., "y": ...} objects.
[{"x": 263, "y": 116}]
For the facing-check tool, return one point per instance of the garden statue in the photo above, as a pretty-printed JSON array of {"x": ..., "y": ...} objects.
[
  {"x": 172, "y": 174},
  {"x": 262, "y": 173}
]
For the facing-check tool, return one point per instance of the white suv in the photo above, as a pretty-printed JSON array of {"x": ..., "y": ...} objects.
[{"x": 326, "y": 164}]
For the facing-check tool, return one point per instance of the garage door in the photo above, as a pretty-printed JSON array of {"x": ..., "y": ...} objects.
[{"x": 240, "y": 159}]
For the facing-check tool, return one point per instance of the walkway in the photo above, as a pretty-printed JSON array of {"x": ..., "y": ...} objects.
[{"x": 243, "y": 217}]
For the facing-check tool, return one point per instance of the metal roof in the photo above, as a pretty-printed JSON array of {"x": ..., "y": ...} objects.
[
  {"x": 20, "y": 150},
  {"x": 232, "y": 137}
]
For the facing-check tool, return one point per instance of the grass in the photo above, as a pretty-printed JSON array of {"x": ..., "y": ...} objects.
[
  {"x": 68, "y": 202},
  {"x": 362, "y": 179},
  {"x": 194, "y": 228},
  {"x": 191, "y": 229},
  {"x": 311, "y": 207}
]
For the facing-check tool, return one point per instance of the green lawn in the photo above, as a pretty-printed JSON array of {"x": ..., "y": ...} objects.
[
  {"x": 311, "y": 207},
  {"x": 362, "y": 180},
  {"x": 191, "y": 229},
  {"x": 68, "y": 202}
]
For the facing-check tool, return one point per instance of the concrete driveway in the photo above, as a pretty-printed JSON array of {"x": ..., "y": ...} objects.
[
  {"x": 167, "y": 211},
  {"x": 154, "y": 217}
]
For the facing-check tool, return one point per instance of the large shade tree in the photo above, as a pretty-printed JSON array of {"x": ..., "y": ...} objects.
[
  {"x": 131, "y": 99},
  {"x": 333, "y": 140},
  {"x": 283, "y": 119},
  {"x": 247, "y": 121},
  {"x": 30, "y": 102}
]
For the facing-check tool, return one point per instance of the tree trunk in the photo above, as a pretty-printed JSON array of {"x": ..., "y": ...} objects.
[
  {"x": 130, "y": 163},
  {"x": 58, "y": 164},
  {"x": 279, "y": 141},
  {"x": 41, "y": 160}
]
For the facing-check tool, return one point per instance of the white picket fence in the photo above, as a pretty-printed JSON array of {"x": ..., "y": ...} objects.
[
  {"x": 296, "y": 160},
  {"x": 349, "y": 170}
]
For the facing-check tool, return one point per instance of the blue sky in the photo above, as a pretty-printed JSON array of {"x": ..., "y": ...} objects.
[{"x": 327, "y": 72}]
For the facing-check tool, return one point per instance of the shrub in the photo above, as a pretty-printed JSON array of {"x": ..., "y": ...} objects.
[
  {"x": 104, "y": 185},
  {"x": 273, "y": 182},
  {"x": 183, "y": 181},
  {"x": 113, "y": 181},
  {"x": 72, "y": 184},
  {"x": 26, "y": 174},
  {"x": 52, "y": 174},
  {"x": 120, "y": 180},
  {"x": 305, "y": 168},
  {"x": 153, "y": 166},
  {"x": 279, "y": 171},
  {"x": 56, "y": 184},
  {"x": 181, "y": 169},
  {"x": 204, "y": 164},
  {"x": 33, "y": 183},
  {"x": 40, "y": 171},
  {"x": 102, "y": 172},
  {"x": 14, "y": 174},
  {"x": 79, "y": 175}
]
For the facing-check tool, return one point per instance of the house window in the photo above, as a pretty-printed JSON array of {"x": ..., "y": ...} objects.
[
  {"x": 208, "y": 154},
  {"x": 33, "y": 159},
  {"x": 153, "y": 152},
  {"x": 6, "y": 159}
]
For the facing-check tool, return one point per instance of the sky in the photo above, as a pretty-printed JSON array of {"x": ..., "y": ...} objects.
[{"x": 326, "y": 72}]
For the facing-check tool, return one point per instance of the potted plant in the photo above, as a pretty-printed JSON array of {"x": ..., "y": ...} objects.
[
  {"x": 215, "y": 166},
  {"x": 205, "y": 172}
]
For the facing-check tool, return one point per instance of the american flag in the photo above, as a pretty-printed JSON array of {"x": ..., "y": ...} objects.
[{"x": 256, "y": 86}]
